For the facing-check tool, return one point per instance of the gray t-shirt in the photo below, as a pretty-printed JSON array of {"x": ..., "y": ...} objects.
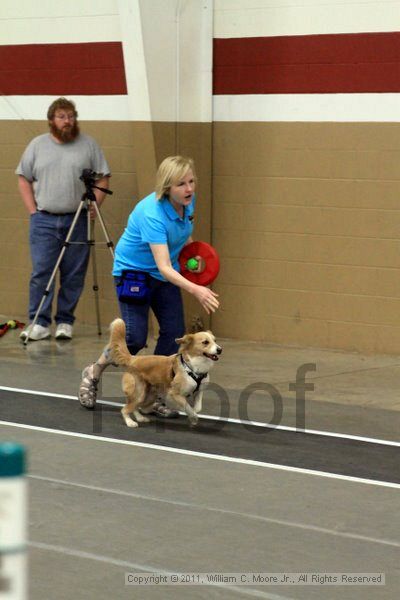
[{"x": 55, "y": 169}]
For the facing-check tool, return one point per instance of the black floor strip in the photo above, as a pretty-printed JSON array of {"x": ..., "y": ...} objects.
[{"x": 295, "y": 449}]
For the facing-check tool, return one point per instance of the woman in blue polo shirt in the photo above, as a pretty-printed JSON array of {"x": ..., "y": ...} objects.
[{"x": 158, "y": 228}]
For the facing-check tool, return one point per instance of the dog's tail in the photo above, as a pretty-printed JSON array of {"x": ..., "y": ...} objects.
[{"x": 118, "y": 347}]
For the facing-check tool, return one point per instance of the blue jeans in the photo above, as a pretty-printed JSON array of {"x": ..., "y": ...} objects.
[
  {"x": 166, "y": 302},
  {"x": 46, "y": 238}
]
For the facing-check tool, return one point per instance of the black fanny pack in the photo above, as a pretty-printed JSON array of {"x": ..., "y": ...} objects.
[{"x": 133, "y": 288}]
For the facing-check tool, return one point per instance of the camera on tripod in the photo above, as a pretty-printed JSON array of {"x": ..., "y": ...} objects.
[{"x": 89, "y": 177}]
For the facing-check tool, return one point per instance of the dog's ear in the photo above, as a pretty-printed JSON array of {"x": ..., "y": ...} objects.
[
  {"x": 185, "y": 340},
  {"x": 210, "y": 333}
]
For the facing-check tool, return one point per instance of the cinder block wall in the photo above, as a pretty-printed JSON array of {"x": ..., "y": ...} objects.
[
  {"x": 308, "y": 223},
  {"x": 15, "y": 264}
]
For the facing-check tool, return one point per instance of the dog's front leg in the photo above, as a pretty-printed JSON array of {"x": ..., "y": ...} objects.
[
  {"x": 198, "y": 402},
  {"x": 191, "y": 413},
  {"x": 183, "y": 404}
]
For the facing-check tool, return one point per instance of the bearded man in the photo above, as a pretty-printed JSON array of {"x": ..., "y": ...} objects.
[{"x": 49, "y": 183}]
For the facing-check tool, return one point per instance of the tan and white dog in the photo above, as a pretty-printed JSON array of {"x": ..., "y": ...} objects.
[{"x": 178, "y": 377}]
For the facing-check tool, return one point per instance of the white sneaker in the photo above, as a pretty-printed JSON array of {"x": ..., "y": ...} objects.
[
  {"x": 64, "y": 331},
  {"x": 38, "y": 332}
]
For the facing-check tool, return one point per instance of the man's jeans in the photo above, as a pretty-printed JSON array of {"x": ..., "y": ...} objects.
[
  {"x": 166, "y": 302},
  {"x": 46, "y": 238}
]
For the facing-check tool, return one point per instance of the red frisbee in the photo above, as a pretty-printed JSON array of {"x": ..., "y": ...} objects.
[{"x": 208, "y": 255}]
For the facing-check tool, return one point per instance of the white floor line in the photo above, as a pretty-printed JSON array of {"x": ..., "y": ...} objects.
[
  {"x": 230, "y": 420},
  {"x": 233, "y": 513},
  {"x": 139, "y": 568},
  {"x": 203, "y": 455}
]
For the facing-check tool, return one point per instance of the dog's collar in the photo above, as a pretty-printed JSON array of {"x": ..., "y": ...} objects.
[{"x": 198, "y": 377}]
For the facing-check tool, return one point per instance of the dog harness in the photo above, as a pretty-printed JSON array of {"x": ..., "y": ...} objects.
[{"x": 198, "y": 377}]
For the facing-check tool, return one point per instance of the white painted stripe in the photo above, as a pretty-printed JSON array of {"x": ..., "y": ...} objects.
[
  {"x": 97, "y": 557},
  {"x": 28, "y": 22},
  {"x": 234, "y": 513},
  {"x": 81, "y": 554},
  {"x": 246, "y": 107},
  {"x": 37, "y": 393},
  {"x": 242, "y": 461},
  {"x": 72, "y": 30},
  {"x": 255, "y": 18},
  {"x": 343, "y": 436},
  {"x": 307, "y": 107},
  {"x": 96, "y": 108},
  {"x": 356, "y": 438},
  {"x": 26, "y": 9},
  {"x": 90, "y": 108},
  {"x": 242, "y": 591},
  {"x": 144, "y": 568}
]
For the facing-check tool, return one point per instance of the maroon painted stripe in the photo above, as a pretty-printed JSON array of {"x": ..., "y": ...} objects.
[
  {"x": 341, "y": 63},
  {"x": 62, "y": 69}
]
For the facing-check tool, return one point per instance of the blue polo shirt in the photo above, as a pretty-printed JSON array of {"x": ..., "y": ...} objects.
[{"x": 152, "y": 221}]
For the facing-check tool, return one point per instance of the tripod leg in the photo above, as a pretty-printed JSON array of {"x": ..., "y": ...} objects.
[
  {"x": 110, "y": 245},
  {"x": 54, "y": 273},
  {"x": 94, "y": 270}
]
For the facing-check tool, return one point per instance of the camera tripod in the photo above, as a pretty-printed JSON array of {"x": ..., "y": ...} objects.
[{"x": 88, "y": 199}]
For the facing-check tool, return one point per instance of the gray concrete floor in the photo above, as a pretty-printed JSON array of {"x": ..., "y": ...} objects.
[{"x": 99, "y": 509}]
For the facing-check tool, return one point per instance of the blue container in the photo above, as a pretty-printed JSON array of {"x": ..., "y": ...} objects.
[{"x": 12, "y": 459}]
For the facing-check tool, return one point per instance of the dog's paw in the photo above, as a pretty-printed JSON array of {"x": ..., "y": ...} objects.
[
  {"x": 193, "y": 421},
  {"x": 131, "y": 423},
  {"x": 142, "y": 419}
]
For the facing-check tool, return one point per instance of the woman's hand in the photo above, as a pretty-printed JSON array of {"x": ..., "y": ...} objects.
[{"x": 206, "y": 297}]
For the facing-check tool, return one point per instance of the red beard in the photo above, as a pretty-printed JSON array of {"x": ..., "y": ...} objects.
[{"x": 66, "y": 134}]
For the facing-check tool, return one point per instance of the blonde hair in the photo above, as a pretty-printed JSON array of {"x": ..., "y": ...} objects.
[{"x": 170, "y": 172}]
